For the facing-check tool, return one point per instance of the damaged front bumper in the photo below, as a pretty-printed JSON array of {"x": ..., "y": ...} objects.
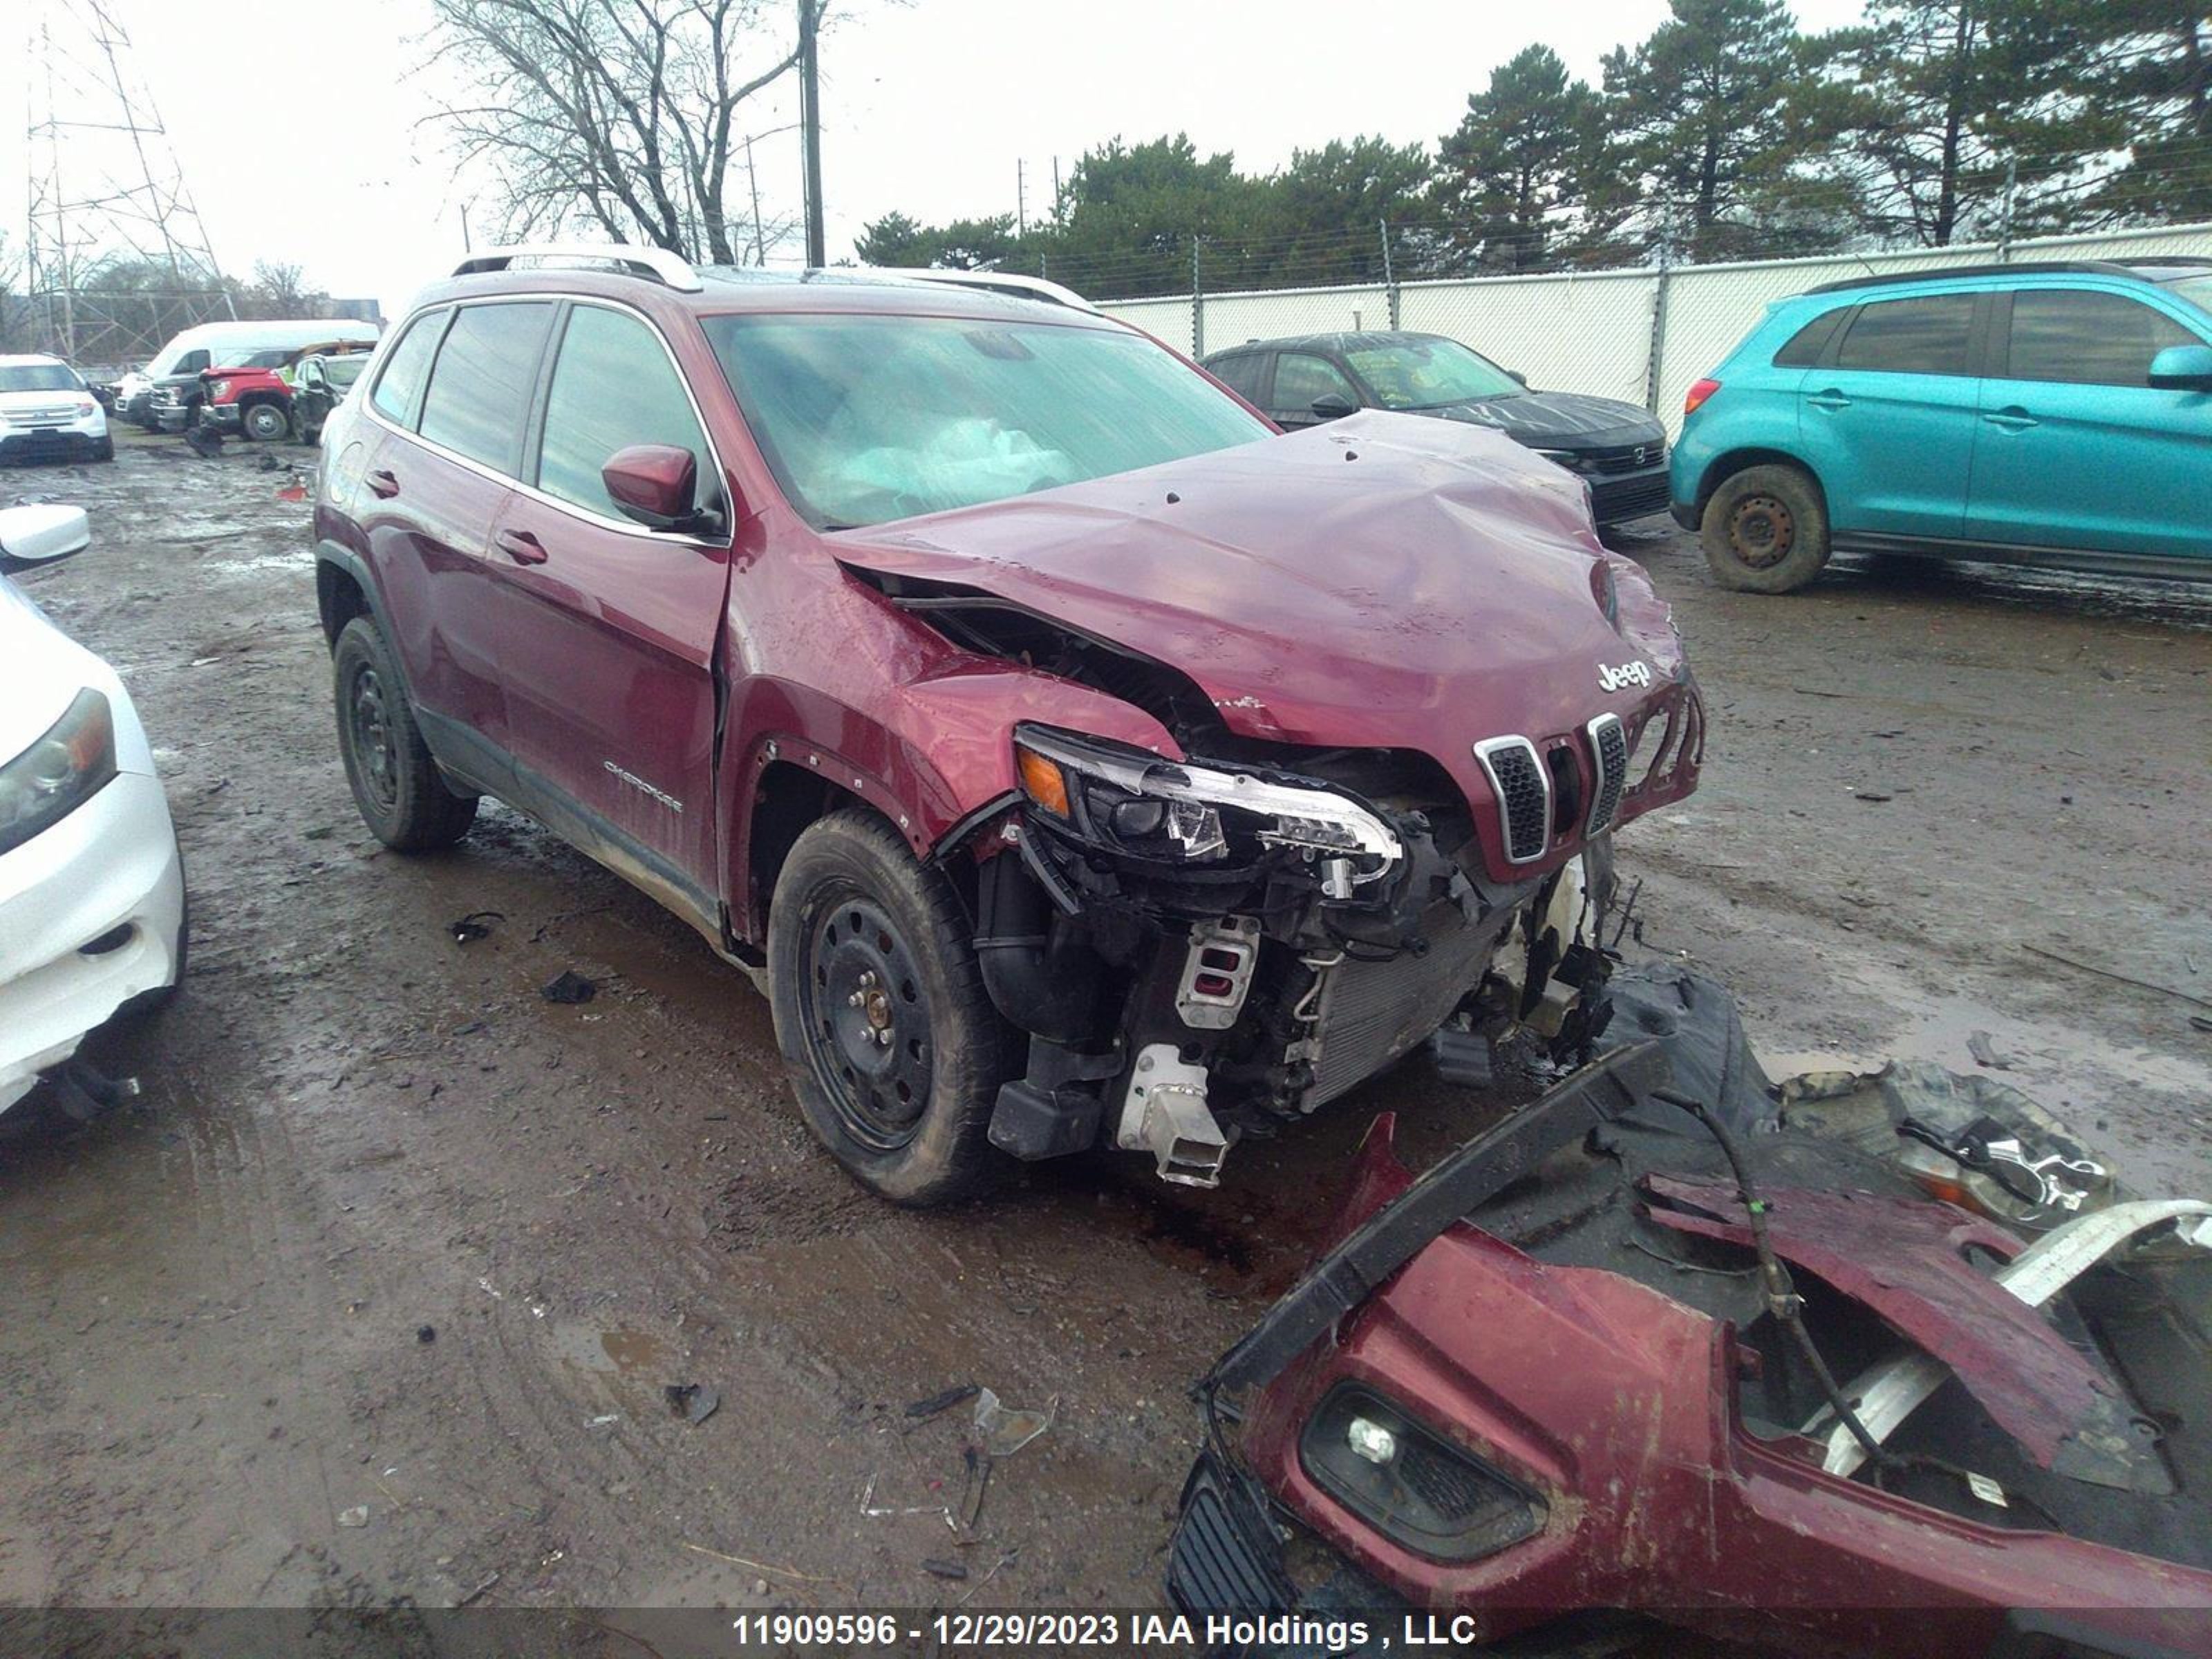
[
  {"x": 1542, "y": 1380},
  {"x": 1200, "y": 951}
]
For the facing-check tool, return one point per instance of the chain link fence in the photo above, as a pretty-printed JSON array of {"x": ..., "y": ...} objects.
[{"x": 1643, "y": 335}]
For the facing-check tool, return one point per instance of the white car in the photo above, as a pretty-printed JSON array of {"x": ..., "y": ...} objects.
[
  {"x": 92, "y": 893},
  {"x": 48, "y": 413}
]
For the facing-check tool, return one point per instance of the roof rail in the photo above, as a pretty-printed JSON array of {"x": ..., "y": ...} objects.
[
  {"x": 995, "y": 281},
  {"x": 1952, "y": 273},
  {"x": 666, "y": 268}
]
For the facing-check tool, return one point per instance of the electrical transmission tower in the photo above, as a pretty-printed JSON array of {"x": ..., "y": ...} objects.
[{"x": 118, "y": 259}]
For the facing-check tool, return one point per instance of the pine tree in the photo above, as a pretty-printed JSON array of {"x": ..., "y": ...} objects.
[
  {"x": 1698, "y": 125},
  {"x": 1509, "y": 178}
]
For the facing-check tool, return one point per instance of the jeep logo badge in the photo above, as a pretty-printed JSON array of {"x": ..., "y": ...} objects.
[{"x": 1629, "y": 673}]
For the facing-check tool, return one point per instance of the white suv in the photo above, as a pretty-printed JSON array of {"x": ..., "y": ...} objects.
[{"x": 47, "y": 412}]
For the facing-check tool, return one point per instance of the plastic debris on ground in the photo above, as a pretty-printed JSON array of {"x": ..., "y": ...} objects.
[
  {"x": 695, "y": 1403},
  {"x": 571, "y": 988},
  {"x": 1004, "y": 1430}
]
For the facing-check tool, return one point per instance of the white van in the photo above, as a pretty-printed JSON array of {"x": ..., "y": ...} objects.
[{"x": 224, "y": 345}]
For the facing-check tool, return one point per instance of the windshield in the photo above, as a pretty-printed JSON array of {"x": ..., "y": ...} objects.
[
  {"x": 1427, "y": 373},
  {"x": 866, "y": 419},
  {"x": 39, "y": 377},
  {"x": 2197, "y": 290}
]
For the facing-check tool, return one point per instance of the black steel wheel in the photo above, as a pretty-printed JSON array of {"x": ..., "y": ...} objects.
[
  {"x": 1765, "y": 529},
  {"x": 403, "y": 796},
  {"x": 894, "y": 1049},
  {"x": 871, "y": 1041}
]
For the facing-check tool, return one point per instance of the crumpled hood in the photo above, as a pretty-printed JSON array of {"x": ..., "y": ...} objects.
[
  {"x": 1565, "y": 418},
  {"x": 1385, "y": 580}
]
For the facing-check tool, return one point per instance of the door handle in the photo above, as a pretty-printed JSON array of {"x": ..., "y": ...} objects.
[
  {"x": 382, "y": 484},
  {"x": 1829, "y": 400},
  {"x": 2012, "y": 420},
  {"x": 520, "y": 546}
]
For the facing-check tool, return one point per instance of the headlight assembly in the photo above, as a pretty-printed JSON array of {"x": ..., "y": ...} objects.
[
  {"x": 1413, "y": 1487},
  {"x": 1140, "y": 804},
  {"x": 58, "y": 773}
]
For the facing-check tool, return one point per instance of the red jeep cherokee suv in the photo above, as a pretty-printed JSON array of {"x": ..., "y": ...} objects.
[{"x": 1072, "y": 758}]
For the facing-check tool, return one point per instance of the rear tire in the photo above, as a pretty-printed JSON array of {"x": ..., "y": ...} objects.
[
  {"x": 894, "y": 1048},
  {"x": 403, "y": 798},
  {"x": 103, "y": 450},
  {"x": 1765, "y": 529}
]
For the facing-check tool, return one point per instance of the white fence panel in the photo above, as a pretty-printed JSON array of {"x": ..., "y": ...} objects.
[
  {"x": 1593, "y": 331},
  {"x": 1231, "y": 319},
  {"x": 1167, "y": 320},
  {"x": 1589, "y": 333}
]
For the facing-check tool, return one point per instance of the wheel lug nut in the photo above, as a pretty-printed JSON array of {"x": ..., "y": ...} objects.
[{"x": 854, "y": 1000}]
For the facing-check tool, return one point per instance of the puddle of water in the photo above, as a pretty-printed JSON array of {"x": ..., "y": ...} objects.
[{"x": 634, "y": 1356}]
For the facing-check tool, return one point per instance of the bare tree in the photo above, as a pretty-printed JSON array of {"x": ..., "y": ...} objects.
[
  {"x": 282, "y": 285},
  {"x": 624, "y": 114}
]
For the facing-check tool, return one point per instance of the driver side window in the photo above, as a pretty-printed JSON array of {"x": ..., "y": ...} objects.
[
  {"x": 1300, "y": 378},
  {"x": 613, "y": 387}
]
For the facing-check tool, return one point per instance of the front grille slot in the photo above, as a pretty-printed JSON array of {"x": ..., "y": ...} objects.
[
  {"x": 1518, "y": 777},
  {"x": 1608, "y": 742}
]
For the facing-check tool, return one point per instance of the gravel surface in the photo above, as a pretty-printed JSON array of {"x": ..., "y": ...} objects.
[{"x": 373, "y": 1297}]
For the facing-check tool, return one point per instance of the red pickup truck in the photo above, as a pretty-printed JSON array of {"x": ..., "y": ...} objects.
[{"x": 257, "y": 400}]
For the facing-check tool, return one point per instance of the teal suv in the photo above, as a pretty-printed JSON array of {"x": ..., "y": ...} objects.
[{"x": 2046, "y": 414}]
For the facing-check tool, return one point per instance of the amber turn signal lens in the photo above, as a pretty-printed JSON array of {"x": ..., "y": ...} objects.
[{"x": 1043, "y": 782}]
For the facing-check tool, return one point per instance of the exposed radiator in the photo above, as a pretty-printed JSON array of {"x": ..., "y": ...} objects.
[{"x": 1373, "y": 1011}]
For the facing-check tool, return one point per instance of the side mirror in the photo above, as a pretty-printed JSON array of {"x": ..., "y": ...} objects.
[
  {"x": 658, "y": 485},
  {"x": 1334, "y": 406},
  {"x": 1518, "y": 375},
  {"x": 30, "y": 536},
  {"x": 2183, "y": 368}
]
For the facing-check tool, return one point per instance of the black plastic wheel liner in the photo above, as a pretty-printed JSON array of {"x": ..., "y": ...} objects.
[{"x": 1599, "y": 1093}]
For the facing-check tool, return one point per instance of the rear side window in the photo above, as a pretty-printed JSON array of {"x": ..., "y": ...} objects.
[
  {"x": 401, "y": 378},
  {"x": 1242, "y": 375},
  {"x": 1808, "y": 343},
  {"x": 613, "y": 387},
  {"x": 1926, "y": 336},
  {"x": 2088, "y": 337},
  {"x": 479, "y": 394}
]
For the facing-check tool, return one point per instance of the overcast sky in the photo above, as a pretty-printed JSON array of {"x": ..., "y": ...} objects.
[{"x": 297, "y": 123}]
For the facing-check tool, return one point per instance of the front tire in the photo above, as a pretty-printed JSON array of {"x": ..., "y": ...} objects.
[
  {"x": 402, "y": 795},
  {"x": 265, "y": 422},
  {"x": 1765, "y": 529},
  {"x": 103, "y": 450},
  {"x": 894, "y": 1048}
]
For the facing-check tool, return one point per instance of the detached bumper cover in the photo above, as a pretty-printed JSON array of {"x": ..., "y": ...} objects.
[{"x": 108, "y": 876}]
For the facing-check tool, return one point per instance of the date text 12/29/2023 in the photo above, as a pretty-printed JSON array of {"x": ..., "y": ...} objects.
[{"x": 1023, "y": 1631}]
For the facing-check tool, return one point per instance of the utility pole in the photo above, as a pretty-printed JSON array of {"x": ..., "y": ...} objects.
[{"x": 809, "y": 120}]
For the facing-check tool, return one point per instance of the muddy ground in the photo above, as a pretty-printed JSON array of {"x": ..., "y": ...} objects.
[{"x": 374, "y": 1296}]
